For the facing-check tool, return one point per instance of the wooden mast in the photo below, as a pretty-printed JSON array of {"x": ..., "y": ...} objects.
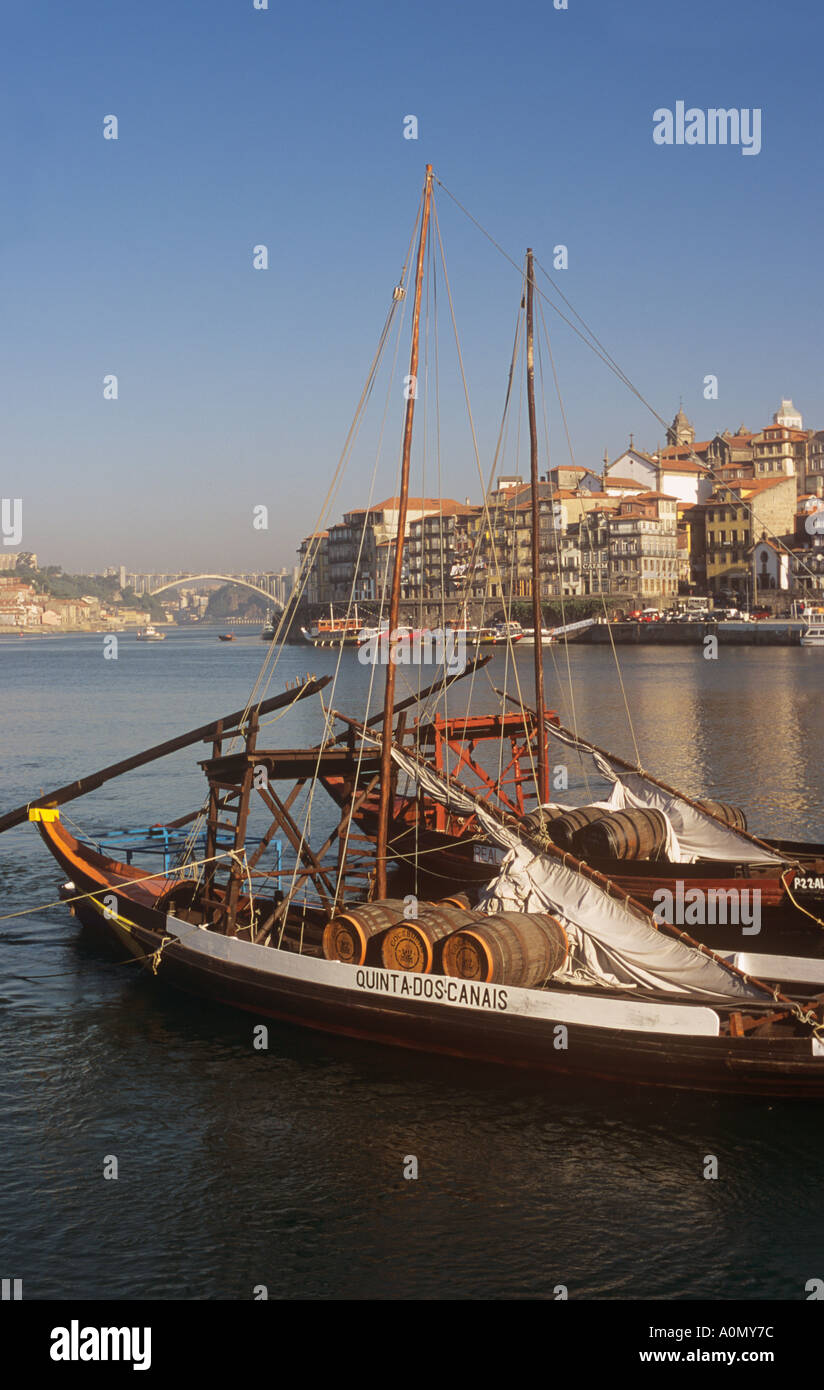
[
  {"x": 537, "y": 616},
  {"x": 395, "y": 595}
]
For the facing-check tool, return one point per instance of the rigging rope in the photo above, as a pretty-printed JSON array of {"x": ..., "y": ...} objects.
[{"x": 594, "y": 344}]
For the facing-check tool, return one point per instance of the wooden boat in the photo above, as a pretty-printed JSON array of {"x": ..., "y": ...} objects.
[
  {"x": 587, "y": 983},
  {"x": 222, "y": 943},
  {"x": 785, "y": 877},
  {"x": 346, "y": 631}
]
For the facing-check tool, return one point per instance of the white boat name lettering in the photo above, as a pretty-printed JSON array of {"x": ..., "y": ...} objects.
[{"x": 433, "y": 987}]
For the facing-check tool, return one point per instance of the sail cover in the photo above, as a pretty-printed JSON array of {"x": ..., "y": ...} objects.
[
  {"x": 610, "y": 945},
  {"x": 693, "y": 834}
]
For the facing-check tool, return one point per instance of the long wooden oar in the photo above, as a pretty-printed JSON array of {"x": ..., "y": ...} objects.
[{"x": 160, "y": 750}]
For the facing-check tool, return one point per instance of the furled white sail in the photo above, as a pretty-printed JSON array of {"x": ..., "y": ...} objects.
[
  {"x": 610, "y": 944},
  {"x": 695, "y": 835}
]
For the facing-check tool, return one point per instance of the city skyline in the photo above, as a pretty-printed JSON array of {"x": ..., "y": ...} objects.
[{"x": 236, "y": 387}]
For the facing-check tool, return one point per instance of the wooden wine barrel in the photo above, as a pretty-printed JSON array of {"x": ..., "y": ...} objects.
[
  {"x": 351, "y": 935},
  {"x": 507, "y": 948},
  {"x": 623, "y": 835},
  {"x": 730, "y": 815},
  {"x": 413, "y": 943},
  {"x": 540, "y": 823},
  {"x": 455, "y": 900},
  {"x": 566, "y": 825}
]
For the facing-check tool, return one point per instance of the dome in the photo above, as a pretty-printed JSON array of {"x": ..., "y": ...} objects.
[{"x": 788, "y": 415}]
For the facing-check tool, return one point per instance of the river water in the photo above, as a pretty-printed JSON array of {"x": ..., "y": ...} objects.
[{"x": 285, "y": 1168}]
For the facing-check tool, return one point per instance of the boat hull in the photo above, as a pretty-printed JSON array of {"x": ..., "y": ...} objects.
[
  {"x": 791, "y": 905},
  {"x": 674, "y": 1045}
]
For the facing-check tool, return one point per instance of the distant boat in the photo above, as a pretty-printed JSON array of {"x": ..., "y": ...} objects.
[
  {"x": 334, "y": 632},
  {"x": 813, "y": 634},
  {"x": 226, "y": 637},
  {"x": 150, "y": 634},
  {"x": 552, "y": 634},
  {"x": 504, "y": 633}
]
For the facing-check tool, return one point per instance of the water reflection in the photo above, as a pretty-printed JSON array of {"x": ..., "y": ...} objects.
[{"x": 286, "y": 1167}]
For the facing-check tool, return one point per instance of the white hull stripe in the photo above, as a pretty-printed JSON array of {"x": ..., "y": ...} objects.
[{"x": 542, "y": 1006}]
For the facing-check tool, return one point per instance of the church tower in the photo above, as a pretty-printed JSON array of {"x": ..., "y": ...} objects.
[{"x": 681, "y": 431}]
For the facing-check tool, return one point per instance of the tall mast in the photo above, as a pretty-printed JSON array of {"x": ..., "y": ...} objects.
[
  {"x": 395, "y": 596},
  {"x": 537, "y": 617}
]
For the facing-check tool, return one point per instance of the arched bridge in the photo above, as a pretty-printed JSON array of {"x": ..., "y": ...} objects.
[{"x": 224, "y": 579}]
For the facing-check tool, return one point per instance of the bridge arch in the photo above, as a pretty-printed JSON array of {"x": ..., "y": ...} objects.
[{"x": 224, "y": 579}]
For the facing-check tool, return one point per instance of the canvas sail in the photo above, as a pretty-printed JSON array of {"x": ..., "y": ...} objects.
[
  {"x": 610, "y": 944},
  {"x": 692, "y": 833}
]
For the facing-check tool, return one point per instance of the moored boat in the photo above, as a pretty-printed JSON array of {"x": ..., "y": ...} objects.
[
  {"x": 725, "y": 1035},
  {"x": 345, "y": 631},
  {"x": 813, "y": 634},
  {"x": 706, "y": 848}
]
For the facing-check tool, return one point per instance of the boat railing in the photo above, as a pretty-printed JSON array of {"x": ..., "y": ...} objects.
[{"x": 173, "y": 843}]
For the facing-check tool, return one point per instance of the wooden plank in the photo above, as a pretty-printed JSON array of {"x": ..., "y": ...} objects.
[
  {"x": 299, "y": 843},
  {"x": 229, "y": 919},
  {"x": 286, "y": 763}
]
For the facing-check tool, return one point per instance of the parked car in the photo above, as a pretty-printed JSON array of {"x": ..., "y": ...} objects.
[{"x": 759, "y": 613}]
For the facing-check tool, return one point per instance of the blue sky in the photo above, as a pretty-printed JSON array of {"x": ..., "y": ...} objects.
[{"x": 285, "y": 127}]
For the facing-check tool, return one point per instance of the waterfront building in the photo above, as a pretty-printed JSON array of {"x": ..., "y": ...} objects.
[
  {"x": 440, "y": 553},
  {"x": 356, "y": 547},
  {"x": 351, "y": 551},
  {"x": 770, "y": 567},
  {"x": 65, "y": 612},
  {"x": 593, "y": 538},
  {"x": 508, "y": 534},
  {"x": 18, "y": 603},
  {"x": 729, "y": 455},
  {"x": 807, "y": 550},
  {"x": 643, "y": 547},
  {"x": 692, "y": 547},
  {"x": 313, "y": 569},
  {"x": 736, "y": 516},
  {"x": 624, "y": 487},
  {"x": 569, "y": 579},
  {"x": 814, "y": 469},
  {"x": 565, "y": 477},
  {"x": 590, "y": 543},
  {"x": 509, "y": 567},
  {"x": 674, "y": 473},
  {"x": 781, "y": 448}
]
